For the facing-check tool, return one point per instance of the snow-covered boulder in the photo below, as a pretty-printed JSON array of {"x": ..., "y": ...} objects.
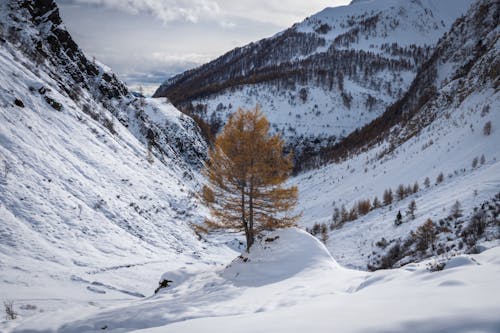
[{"x": 277, "y": 256}]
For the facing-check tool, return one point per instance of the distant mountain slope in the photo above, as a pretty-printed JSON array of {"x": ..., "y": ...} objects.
[
  {"x": 465, "y": 61},
  {"x": 324, "y": 77},
  {"x": 442, "y": 136},
  {"x": 93, "y": 180}
]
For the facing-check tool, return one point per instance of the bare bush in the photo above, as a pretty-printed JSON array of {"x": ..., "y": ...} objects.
[
  {"x": 10, "y": 314},
  {"x": 487, "y": 128},
  {"x": 440, "y": 178},
  {"x": 475, "y": 161}
]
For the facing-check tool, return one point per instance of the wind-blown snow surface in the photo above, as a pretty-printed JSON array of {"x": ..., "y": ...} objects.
[{"x": 302, "y": 288}]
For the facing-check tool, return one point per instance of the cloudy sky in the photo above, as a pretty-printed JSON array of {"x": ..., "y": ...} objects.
[{"x": 146, "y": 41}]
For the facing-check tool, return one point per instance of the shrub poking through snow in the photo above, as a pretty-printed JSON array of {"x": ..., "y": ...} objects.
[
  {"x": 10, "y": 314},
  {"x": 399, "y": 219},
  {"x": 475, "y": 161},
  {"x": 427, "y": 182},
  {"x": 440, "y": 178},
  {"x": 487, "y": 128}
]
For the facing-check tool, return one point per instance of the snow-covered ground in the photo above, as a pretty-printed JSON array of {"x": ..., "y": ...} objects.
[{"x": 302, "y": 288}]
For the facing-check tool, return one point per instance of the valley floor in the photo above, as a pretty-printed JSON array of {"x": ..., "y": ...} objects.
[{"x": 292, "y": 284}]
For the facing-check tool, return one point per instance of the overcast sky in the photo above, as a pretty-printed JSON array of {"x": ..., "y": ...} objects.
[{"x": 146, "y": 41}]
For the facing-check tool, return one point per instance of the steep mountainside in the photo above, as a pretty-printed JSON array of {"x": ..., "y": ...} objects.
[
  {"x": 324, "y": 77},
  {"x": 35, "y": 28},
  {"x": 94, "y": 181},
  {"x": 435, "y": 146}
]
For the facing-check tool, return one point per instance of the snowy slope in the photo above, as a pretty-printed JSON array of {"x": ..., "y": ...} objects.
[
  {"x": 324, "y": 77},
  {"x": 438, "y": 127},
  {"x": 308, "y": 292},
  {"x": 93, "y": 184}
]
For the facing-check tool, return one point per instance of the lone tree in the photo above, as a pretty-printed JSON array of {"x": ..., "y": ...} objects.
[{"x": 246, "y": 172}]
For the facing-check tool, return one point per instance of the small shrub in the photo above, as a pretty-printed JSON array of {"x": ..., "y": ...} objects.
[
  {"x": 475, "y": 161},
  {"x": 10, "y": 314},
  {"x": 399, "y": 219},
  {"x": 353, "y": 214},
  {"x": 427, "y": 182},
  {"x": 483, "y": 160},
  {"x": 392, "y": 257},
  {"x": 53, "y": 103},
  {"x": 376, "y": 203},
  {"x": 208, "y": 195},
  {"x": 19, "y": 103},
  {"x": 416, "y": 187},
  {"x": 382, "y": 243},
  {"x": 436, "y": 266},
  {"x": 324, "y": 233},
  {"x": 477, "y": 224},
  {"x": 487, "y": 128},
  {"x": 344, "y": 214},
  {"x": 440, "y": 178}
]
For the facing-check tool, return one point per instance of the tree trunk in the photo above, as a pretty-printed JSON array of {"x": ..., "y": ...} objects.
[
  {"x": 251, "y": 236},
  {"x": 244, "y": 219}
]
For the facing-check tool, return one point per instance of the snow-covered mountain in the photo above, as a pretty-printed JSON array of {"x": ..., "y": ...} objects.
[
  {"x": 94, "y": 181},
  {"x": 446, "y": 124},
  {"x": 324, "y": 77},
  {"x": 98, "y": 188}
]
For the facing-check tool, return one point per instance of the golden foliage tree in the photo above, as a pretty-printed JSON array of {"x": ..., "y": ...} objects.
[{"x": 246, "y": 172}]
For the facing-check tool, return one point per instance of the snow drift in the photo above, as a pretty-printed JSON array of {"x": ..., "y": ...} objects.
[{"x": 277, "y": 256}]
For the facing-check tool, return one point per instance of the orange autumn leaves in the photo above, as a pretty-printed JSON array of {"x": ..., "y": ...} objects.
[{"x": 246, "y": 172}]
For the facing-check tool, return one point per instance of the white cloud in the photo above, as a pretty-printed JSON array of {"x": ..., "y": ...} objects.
[
  {"x": 165, "y": 10},
  {"x": 279, "y": 12}
]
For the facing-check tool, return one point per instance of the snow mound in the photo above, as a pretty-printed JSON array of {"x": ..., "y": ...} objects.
[
  {"x": 277, "y": 256},
  {"x": 460, "y": 261}
]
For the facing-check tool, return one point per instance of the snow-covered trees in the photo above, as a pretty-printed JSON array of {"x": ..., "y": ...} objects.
[{"x": 246, "y": 171}]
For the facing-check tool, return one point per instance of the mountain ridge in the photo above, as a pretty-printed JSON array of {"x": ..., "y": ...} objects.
[{"x": 322, "y": 78}]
